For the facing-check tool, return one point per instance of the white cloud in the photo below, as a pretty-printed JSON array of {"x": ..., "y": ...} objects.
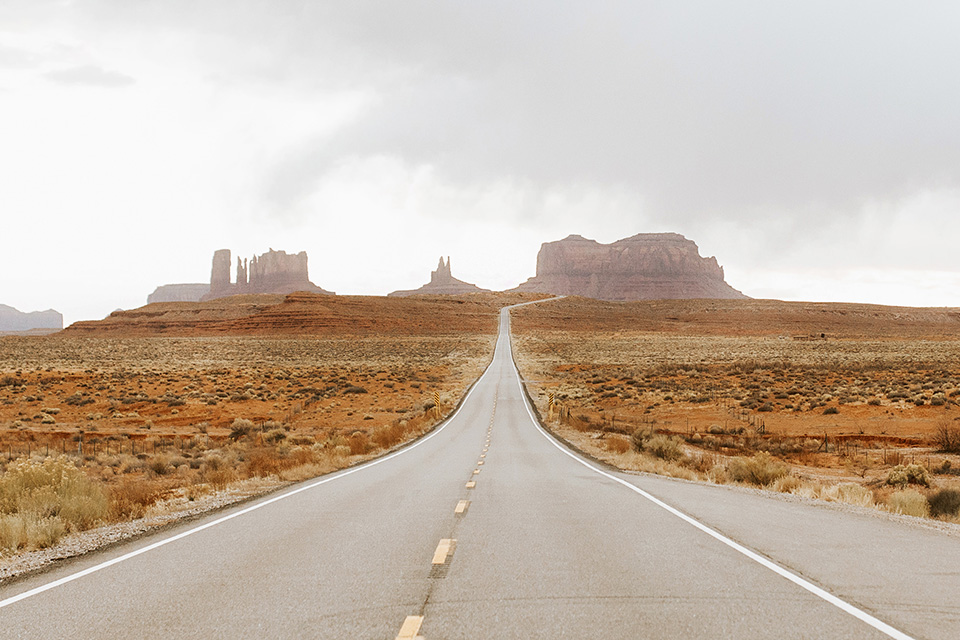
[
  {"x": 90, "y": 75},
  {"x": 813, "y": 148}
]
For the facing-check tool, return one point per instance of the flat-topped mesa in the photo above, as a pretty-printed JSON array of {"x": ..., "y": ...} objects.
[
  {"x": 442, "y": 283},
  {"x": 647, "y": 266},
  {"x": 272, "y": 272}
]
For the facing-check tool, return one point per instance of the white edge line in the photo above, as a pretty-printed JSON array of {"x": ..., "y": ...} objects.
[
  {"x": 127, "y": 556},
  {"x": 856, "y": 612}
]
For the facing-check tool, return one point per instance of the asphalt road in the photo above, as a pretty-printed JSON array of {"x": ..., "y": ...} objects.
[{"x": 543, "y": 545}]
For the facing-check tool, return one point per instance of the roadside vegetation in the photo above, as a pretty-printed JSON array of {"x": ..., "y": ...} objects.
[
  {"x": 873, "y": 423},
  {"x": 101, "y": 431}
]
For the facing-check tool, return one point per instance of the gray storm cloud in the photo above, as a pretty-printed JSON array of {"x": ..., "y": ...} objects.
[
  {"x": 784, "y": 137},
  {"x": 742, "y": 109}
]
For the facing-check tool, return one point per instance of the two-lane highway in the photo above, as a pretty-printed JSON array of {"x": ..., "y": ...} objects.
[{"x": 487, "y": 528}]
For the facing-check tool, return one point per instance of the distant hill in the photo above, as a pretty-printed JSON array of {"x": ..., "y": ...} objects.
[
  {"x": 13, "y": 320},
  {"x": 303, "y": 313},
  {"x": 772, "y": 318}
]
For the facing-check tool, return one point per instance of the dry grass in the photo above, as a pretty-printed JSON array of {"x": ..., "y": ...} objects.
[
  {"x": 909, "y": 502},
  {"x": 846, "y": 416},
  {"x": 40, "y": 501},
  {"x": 150, "y": 421},
  {"x": 759, "y": 470}
]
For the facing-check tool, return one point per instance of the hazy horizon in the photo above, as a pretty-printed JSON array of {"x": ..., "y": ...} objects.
[{"x": 811, "y": 147}]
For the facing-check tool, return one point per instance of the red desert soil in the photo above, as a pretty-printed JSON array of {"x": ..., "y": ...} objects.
[{"x": 732, "y": 377}]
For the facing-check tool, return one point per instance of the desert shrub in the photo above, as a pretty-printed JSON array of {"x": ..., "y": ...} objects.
[
  {"x": 241, "y": 427},
  {"x": 947, "y": 437},
  {"x": 910, "y": 474},
  {"x": 639, "y": 439},
  {"x": 218, "y": 478},
  {"x": 386, "y": 437},
  {"x": 261, "y": 464},
  {"x": 852, "y": 493},
  {"x": 829, "y": 411},
  {"x": 664, "y": 447},
  {"x": 359, "y": 443},
  {"x": 874, "y": 402},
  {"x": 159, "y": 465},
  {"x": 945, "y": 502},
  {"x": 131, "y": 497},
  {"x": 938, "y": 401},
  {"x": 617, "y": 445},
  {"x": 40, "y": 501},
  {"x": 786, "y": 484},
  {"x": 274, "y": 436},
  {"x": 355, "y": 389},
  {"x": 909, "y": 502},
  {"x": 717, "y": 474},
  {"x": 761, "y": 469}
]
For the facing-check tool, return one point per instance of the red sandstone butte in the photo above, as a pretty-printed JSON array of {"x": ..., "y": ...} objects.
[
  {"x": 647, "y": 266},
  {"x": 442, "y": 283}
]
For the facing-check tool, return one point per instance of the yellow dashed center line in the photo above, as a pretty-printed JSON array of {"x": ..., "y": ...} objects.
[
  {"x": 476, "y": 471},
  {"x": 410, "y": 628},
  {"x": 462, "y": 506},
  {"x": 444, "y": 551},
  {"x": 471, "y": 484},
  {"x": 480, "y": 463}
]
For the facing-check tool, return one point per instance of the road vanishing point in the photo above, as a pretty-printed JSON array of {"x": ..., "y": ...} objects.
[{"x": 487, "y": 528}]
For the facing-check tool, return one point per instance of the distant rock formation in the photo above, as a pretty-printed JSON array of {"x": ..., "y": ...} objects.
[
  {"x": 193, "y": 292},
  {"x": 274, "y": 272},
  {"x": 13, "y": 320},
  {"x": 442, "y": 283},
  {"x": 647, "y": 266}
]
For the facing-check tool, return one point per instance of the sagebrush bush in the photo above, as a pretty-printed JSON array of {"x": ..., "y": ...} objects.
[
  {"x": 945, "y": 502},
  {"x": 761, "y": 469},
  {"x": 130, "y": 498},
  {"x": 664, "y": 447},
  {"x": 910, "y": 474},
  {"x": 909, "y": 502},
  {"x": 639, "y": 439},
  {"x": 617, "y": 445},
  {"x": 852, "y": 493},
  {"x": 41, "y": 501},
  {"x": 947, "y": 437},
  {"x": 241, "y": 427}
]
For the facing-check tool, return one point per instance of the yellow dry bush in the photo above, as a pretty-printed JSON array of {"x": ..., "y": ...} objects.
[
  {"x": 41, "y": 501},
  {"x": 909, "y": 502}
]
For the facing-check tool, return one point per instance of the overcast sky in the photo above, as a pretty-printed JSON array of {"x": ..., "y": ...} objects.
[{"x": 812, "y": 147}]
